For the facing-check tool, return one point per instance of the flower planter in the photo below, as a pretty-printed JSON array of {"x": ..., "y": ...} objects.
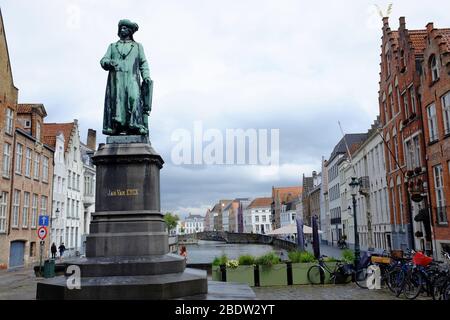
[
  {"x": 300, "y": 272},
  {"x": 275, "y": 275},
  {"x": 216, "y": 274},
  {"x": 242, "y": 274}
]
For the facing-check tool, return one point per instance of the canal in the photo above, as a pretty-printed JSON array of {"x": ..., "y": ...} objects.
[{"x": 206, "y": 251}]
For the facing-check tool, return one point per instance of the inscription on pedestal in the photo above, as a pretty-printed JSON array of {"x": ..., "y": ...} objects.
[{"x": 123, "y": 193}]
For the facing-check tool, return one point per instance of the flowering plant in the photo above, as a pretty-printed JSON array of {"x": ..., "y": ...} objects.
[{"x": 233, "y": 264}]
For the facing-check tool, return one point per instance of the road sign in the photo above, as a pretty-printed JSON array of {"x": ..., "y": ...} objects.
[
  {"x": 42, "y": 233},
  {"x": 43, "y": 221}
]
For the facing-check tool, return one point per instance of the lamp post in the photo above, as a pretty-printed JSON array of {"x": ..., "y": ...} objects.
[{"x": 354, "y": 184}]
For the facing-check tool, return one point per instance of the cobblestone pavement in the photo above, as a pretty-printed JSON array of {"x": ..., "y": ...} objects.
[
  {"x": 325, "y": 292},
  {"x": 21, "y": 285}
]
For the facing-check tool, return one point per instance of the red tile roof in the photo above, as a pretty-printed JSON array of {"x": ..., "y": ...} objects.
[
  {"x": 29, "y": 107},
  {"x": 260, "y": 203},
  {"x": 445, "y": 38},
  {"x": 417, "y": 38},
  {"x": 286, "y": 193},
  {"x": 51, "y": 130}
]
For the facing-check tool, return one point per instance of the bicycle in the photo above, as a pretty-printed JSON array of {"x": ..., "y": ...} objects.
[{"x": 339, "y": 274}]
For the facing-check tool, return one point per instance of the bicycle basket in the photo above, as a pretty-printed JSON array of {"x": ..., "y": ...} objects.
[{"x": 420, "y": 259}]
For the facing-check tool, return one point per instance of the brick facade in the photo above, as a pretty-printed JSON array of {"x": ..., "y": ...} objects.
[{"x": 435, "y": 93}]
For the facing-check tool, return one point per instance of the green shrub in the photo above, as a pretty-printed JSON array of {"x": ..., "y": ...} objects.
[
  {"x": 301, "y": 257},
  {"x": 330, "y": 259},
  {"x": 348, "y": 256},
  {"x": 246, "y": 260},
  {"x": 220, "y": 261},
  {"x": 268, "y": 259}
]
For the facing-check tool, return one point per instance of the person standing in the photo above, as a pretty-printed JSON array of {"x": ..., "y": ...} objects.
[
  {"x": 183, "y": 252},
  {"x": 53, "y": 250},
  {"x": 61, "y": 248}
]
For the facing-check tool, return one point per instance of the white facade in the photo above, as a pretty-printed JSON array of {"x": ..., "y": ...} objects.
[
  {"x": 334, "y": 196},
  {"x": 261, "y": 222},
  {"x": 226, "y": 219},
  {"x": 372, "y": 208},
  {"x": 288, "y": 215},
  {"x": 88, "y": 192},
  {"x": 194, "y": 224},
  {"x": 70, "y": 222}
]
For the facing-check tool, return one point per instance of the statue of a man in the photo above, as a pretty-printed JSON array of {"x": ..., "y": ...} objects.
[{"x": 127, "y": 101}]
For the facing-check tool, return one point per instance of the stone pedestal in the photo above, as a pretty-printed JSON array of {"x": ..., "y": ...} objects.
[{"x": 127, "y": 249}]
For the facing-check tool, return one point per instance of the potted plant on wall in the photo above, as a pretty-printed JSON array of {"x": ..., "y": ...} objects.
[
  {"x": 272, "y": 272},
  {"x": 242, "y": 270},
  {"x": 301, "y": 262},
  {"x": 215, "y": 269}
]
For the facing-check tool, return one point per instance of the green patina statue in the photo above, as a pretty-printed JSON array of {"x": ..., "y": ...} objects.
[{"x": 127, "y": 102}]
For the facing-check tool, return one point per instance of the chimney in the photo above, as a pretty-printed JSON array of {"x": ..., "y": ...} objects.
[
  {"x": 402, "y": 23},
  {"x": 92, "y": 139}
]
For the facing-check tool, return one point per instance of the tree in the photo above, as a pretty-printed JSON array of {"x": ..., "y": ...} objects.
[{"x": 171, "y": 220}]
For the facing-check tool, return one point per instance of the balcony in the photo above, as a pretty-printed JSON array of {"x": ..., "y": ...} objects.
[
  {"x": 364, "y": 185},
  {"x": 88, "y": 199}
]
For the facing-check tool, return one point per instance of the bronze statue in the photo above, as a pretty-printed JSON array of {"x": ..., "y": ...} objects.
[{"x": 128, "y": 102}]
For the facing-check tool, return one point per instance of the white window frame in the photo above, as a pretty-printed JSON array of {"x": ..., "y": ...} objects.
[
  {"x": 28, "y": 160},
  {"x": 439, "y": 194},
  {"x": 9, "y": 126},
  {"x": 26, "y": 209},
  {"x": 37, "y": 161},
  {"x": 6, "y": 168},
  {"x": 3, "y": 211},
  {"x": 412, "y": 94},
  {"x": 34, "y": 210},
  {"x": 16, "y": 209},
  {"x": 19, "y": 158},
  {"x": 445, "y": 101},
  {"x": 432, "y": 122},
  {"x": 434, "y": 66},
  {"x": 44, "y": 169}
]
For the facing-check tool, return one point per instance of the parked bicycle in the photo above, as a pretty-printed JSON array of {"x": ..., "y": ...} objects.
[{"x": 339, "y": 274}]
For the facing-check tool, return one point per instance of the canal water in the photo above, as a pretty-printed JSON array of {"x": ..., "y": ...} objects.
[{"x": 206, "y": 251}]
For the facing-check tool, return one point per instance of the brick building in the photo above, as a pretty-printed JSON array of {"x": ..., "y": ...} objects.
[
  {"x": 435, "y": 108},
  {"x": 281, "y": 196},
  {"x": 401, "y": 119},
  {"x": 26, "y": 170}
]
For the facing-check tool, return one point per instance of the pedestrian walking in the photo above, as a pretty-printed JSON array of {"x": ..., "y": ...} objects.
[
  {"x": 61, "y": 248},
  {"x": 53, "y": 250}
]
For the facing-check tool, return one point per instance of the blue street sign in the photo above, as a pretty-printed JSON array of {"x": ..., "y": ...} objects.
[{"x": 43, "y": 221}]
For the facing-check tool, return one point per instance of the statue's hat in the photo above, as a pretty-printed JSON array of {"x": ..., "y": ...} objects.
[{"x": 132, "y": 25}]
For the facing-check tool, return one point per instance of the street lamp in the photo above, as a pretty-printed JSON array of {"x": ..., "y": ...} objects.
[{"x": 354, "y": 184}]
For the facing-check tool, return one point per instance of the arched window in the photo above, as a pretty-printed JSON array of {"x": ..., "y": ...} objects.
[
  {"x": 434, "y": 66},
  {"x": 387, "y": 55},
  {"x": 402, "y": 61}
]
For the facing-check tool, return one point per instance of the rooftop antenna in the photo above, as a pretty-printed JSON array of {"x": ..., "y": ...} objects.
[{"x": 348, "y": 150}]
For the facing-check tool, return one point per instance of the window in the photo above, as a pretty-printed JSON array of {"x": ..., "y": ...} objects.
[
  {"x": 19, "y": 157},
  {"x": 434, "y": 65},
  {"x": 74, "y": 175},
  {"x": 256, "y": 218},
  {"x": 68, "y": 208},
  {"x": 387, "y": 55},
  {"x": 60, "y": 154},
  {"x": 36, "y": 165},
  {"x": 3, "y": 210},
  {"x": 77, "y": 212},
  {"x": 264, "y": 218},
  {"x": 44, "y": 169},
  {"x": 416, "y": 145},
  {"x": 9, "y": 121},
  {"x": 395, "y": 151},
  {"x": 405, "y": 105},
  {"x": 25, "y": 210},
  {"x": 412, "y": 93},
  {"x": 34, "y": 211},
  {"x": 78, "y": 182},
  {"x": 44, "y": 201},
  {"x": 441, "y": 214},
  {"x": 409, "y": 154},
  {"x": 391, "y": 102},
  {"x": 6, "y": 159},
  {"x": 69, "y": 180},
  {"x": 16, "y": 209},
  {"x": 446, "y": 112},
  {"x": 432, "y": 123},
  {"x": 28, "y": 163},
  {"x": 75, "y": 154}
]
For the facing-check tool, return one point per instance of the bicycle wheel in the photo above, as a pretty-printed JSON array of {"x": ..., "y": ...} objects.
[
  {"x": 314, "y": 274},
  {"x": 361, "y": 278},
  {"x": 412, "y": 285},
  {"x": 445, "y": 293}
]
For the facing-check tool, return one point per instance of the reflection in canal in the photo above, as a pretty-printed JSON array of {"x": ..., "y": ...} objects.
[{"x": 205, "y": 251}]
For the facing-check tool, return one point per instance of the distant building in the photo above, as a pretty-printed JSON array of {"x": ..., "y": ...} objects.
[
  {"x": 280, "y": 196},
  {"x": 258, "y": 216},
  {"x": 194, "y": 224}
]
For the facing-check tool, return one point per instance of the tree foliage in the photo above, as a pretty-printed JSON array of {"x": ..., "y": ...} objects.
[{"x": 171, "y": 220}]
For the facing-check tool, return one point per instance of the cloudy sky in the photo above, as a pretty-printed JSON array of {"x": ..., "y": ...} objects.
[{"x": 291, "y": 65}]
